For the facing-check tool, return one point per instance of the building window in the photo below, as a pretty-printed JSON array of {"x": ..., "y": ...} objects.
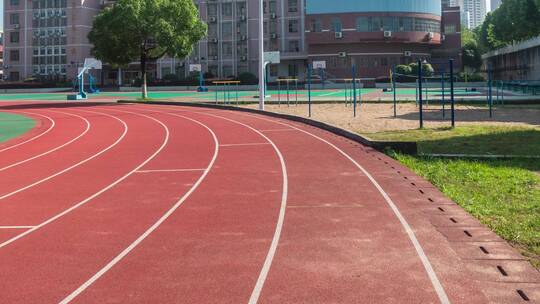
[
  {"x": 226, "y": 30},
  {"x": 294, "y": 46},
  {"x": 227, "y": 49},
  {"x": 336, "y": 25},
  {"x": 228, "y": 71},
  {"x": 273, "y": 7},
  {"x": 227, "y": 9},
  {"x": 293, "y": 26},
  {"x": 450, "y": 29},
  {"x": 293, "y": 6},
  {"x": 14, "y": 2},
  {"x": 14, "y": 55},
  {"x": 274, "y": 70},
  {"x": 14, "y": 37},
  {"x": 165, "y": 71},
  {"x": 14, "y": 76},
  {"x": 362, "y": 24},
  {"x": 315, "y": 25},
  {"x": 405, "y": 24},
  {"x": 293, "y": 70},
  {"x": 14, "y": 18}
]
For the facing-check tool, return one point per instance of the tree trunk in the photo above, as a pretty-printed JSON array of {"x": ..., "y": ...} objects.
[{"x": 143, "y": 72}]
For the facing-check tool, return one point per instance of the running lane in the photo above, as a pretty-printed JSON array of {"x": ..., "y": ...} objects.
[
  {"x": 343, "y": 237},
  {"x": 43, "y": 125},
  {"x": 212, "y": 248},
  {"x": 65, "y": 128},
  {"x": 72, "y": 244}
]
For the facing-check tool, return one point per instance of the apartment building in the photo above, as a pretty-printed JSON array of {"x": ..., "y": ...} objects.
[
  {"x": 474, "y": 11},
  {"x": 47, "y": 39},
  {"x": 231, "y": 47}
]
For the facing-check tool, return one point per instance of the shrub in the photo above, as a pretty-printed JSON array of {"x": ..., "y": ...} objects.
[
  {"x": 248, "y": 78},
  {"x": 403, "y": 69}
]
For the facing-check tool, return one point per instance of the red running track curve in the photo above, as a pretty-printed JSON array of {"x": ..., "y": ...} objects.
[{"x": 171, "y": 204}]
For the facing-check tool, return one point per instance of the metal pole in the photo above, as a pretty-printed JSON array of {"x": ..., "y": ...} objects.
[
  {"x": 261, "y": 56},
  {"x": 420, "y": 101},
  {"x": 309, "y": 90},
  {"x": 443, "y": 97},
  {"x": 296, "y": 91},
  {"x": 452, "y": 100},
  {"x": 394, "y": 89},
  {"x": 490, "y": 90},
  {"x": 354, "y": 88}
]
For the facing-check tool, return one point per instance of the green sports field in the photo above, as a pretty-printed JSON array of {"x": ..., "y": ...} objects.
[{"x": 13, "y": 125}]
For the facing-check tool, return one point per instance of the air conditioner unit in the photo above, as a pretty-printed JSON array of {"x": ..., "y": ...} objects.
[
  {"x": 443, "y": 37},
  {"x": 408, "y": 53},
  {"x": 387, "y": 34},
  {"x": 243, "y": 18},
  {"x": 213, "y": 40},
  {"x": 215, "y": 57},
  {"x": 430, "y": 35},
  {"x": 342, "y": 54},
  {"x": 273, "y": 16},
  {"x": 243, "y": 58},
  {"x": 213, "y": 19},
  {"x": 273, "y": 36},
  {"x": 16, "y": 26},
  {"x": 338, "y": 35},
  {"x": 182, "y": 64},
  {"x": 243, "y": 37}
]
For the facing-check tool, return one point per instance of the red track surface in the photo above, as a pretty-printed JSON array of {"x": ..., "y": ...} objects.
[{"x": 141, "y": 204}]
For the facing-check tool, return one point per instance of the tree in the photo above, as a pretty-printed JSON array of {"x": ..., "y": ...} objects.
[
  {"x": 144, "y": 31},
  {"x": 472, "y": 56},
  {"x": 513, "y": 21}
]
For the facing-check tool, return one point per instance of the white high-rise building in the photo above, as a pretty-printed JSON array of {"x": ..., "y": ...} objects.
[{"x": 475, "y": 10}]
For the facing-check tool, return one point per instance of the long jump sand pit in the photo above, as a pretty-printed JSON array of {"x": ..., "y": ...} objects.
[{"x": 373, "y": 117}]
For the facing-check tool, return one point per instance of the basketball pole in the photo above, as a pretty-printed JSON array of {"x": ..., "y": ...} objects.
[{"x": 261, "y": 56}]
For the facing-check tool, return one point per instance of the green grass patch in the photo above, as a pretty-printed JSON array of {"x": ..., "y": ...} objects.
[
  {"x": 13, "y": 125},
  {"x": 502, "y": 194},
  {"x": 476, "y": 140}
]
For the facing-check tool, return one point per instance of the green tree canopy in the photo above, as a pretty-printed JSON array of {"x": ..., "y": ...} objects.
[
  {"x": 146, "y": 30},
  {"x": 513, "y": 21}
]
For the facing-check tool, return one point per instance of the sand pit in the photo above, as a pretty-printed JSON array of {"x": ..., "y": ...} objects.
[{"x": 373, "y": 118}]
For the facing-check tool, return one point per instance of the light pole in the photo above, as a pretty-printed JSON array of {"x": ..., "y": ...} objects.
[{"x": 261, "y": 56}]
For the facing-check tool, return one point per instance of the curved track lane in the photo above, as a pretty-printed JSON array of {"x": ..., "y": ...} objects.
[
  {"x": 188, "y": 205},
  {"x": 43, "y": 126}
]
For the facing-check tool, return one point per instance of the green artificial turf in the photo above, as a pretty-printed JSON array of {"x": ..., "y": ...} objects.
[{"x": 13, "y": 125}]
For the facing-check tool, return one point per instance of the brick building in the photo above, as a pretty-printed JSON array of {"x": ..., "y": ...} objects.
[{"x": 48, "y": 38}]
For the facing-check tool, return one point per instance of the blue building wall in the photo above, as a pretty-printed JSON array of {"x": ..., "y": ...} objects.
[{"x": 358, "y": 6}]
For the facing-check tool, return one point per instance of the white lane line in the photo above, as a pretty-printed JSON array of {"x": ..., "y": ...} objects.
[
  {"x": 7, "y": 242},
  {"x": 329, "y": 94},
  {"x": 16, "y": 227},
  {"x": 169, "y": 170},
  {"x": 255, "y": 294},
  {"x": 160, "y": 221},
  {"x": 439, "y": 289},
  {"x": 88, "y": 125},
  {"x": 248, "y": 144},
  {"x": 75, "y": 165},
  {"x": 35, "y": 137},
  {"x": 276, "y": 130}
]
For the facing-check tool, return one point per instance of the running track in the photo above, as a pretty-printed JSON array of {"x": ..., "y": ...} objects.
[{"x": 111, "y": 203}]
